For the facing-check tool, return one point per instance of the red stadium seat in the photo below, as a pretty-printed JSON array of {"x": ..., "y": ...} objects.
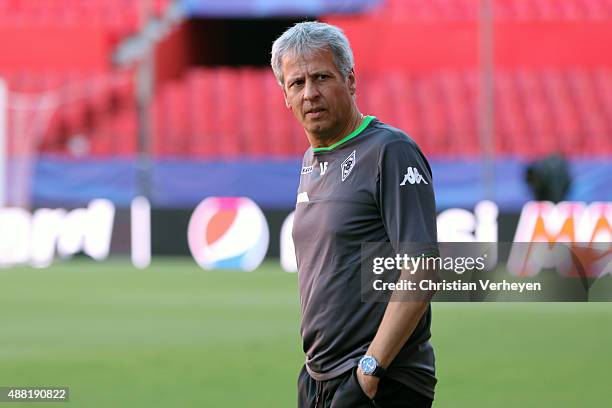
[
  {"x": 201, "y": 108},
  {"x": 158, "y": 128},
  {"x": 124, "y": 134},
  {"x": 226, "y": 93},
  {"x": 403, "y": 97},
  {"x": 504, "y": 10},
  {"x": 603, "y": 84},
  {"x": 591, "y": 116},
  {"x": 231, "y": 113},
  {"x": 566, "y": 123},
  {"x": 253, "y": 121},
  {"x": 281, "y": 131},
  {"x": 435, "y": 114},
  {"x": 461, "y": 104},
  {"x": 511, "y": 128},
  {"x": 174, "y": 108}
]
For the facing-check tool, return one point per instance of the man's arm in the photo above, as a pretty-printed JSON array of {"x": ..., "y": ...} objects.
[
  {"x": 408, "y": 212},
  {"x": 397, "y": 325}
]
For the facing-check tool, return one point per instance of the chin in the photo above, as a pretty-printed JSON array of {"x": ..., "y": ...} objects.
[
  {"x": 317, "y": 126},
  {"x": 316, "y": 129}
]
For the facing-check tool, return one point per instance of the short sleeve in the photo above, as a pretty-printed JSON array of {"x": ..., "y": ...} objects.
[{"x": 405, "y": 198}]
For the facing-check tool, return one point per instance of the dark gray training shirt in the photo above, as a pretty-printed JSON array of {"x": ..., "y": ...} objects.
[{"x": 372, "y": 186}]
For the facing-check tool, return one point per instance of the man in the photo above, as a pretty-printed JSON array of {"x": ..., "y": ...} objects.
[{"x": 361, "y": 181}]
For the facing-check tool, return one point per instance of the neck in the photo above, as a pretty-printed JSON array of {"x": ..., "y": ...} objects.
[{"x": 326, "y": 140}]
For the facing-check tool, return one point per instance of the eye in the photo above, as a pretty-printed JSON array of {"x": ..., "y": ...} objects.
[
  {"x": 297, "y": 82},
  {"x": 322, "y": 77}
]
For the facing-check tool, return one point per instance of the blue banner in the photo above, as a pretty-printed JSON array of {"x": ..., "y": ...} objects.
[
  {"x": 272, "y": 184},
  {"x": 269, "y": 8}
]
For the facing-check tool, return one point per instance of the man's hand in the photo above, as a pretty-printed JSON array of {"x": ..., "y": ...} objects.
[{"x": 368, "y": 383}]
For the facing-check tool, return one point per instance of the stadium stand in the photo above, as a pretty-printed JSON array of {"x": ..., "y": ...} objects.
[
  {"x": 118, "y": 17},
  {"x": 223, "y": 112},
  {"x": 505, "y": 10},
  {"x": 233, "y": 112}
]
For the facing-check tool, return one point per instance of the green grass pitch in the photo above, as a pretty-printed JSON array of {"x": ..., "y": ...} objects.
[{"x": 176, "y": 336}]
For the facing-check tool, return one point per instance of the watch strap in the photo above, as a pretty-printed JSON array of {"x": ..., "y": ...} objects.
[{"x": 379, "y": 372}]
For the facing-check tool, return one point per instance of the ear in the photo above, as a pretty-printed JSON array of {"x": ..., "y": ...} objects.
[{"x": 350, "y": 78}]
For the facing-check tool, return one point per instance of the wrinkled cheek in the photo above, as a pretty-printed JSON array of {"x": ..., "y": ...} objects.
[
  {"x": 296, "y": 111},
  {"x": 298, "y": 114}
]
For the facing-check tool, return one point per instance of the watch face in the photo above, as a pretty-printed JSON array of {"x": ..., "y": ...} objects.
[{"x": 368, "y": 364}]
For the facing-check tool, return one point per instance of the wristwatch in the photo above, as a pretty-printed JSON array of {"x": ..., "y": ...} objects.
[{"x": 370, "y": 366}]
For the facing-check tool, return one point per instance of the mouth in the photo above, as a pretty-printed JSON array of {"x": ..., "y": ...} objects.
[{"x": 315, "y": 112}]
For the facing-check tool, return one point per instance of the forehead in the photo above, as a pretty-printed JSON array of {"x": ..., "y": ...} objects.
[{"x": 303, "y": 64}]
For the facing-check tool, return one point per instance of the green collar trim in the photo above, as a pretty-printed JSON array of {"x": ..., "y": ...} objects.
[{"x": 364, "y": 124}]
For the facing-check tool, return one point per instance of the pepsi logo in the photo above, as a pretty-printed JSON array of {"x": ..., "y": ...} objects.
[{"x": 228, "y": 233}]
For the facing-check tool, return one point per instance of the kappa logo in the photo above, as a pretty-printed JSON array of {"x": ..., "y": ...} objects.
[
  {"x": 412, "y": 176},
  {"x": 347, "y": 165},
  {"x": 307, "y": 169}
]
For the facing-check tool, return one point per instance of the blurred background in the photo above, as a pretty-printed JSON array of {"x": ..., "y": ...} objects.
[{"x": 142, "y": 141}]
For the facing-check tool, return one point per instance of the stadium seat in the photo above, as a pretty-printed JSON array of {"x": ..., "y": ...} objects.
[
  {"x": 280, "y": 130},
  {"x": 174, "y": 108},
  {"x": 119, "y": 18},
  {"x": 404, "y": 98},
  {"x": 201, "y": 105},
  {"x": 461, "y": 104},
  {"x": 566, "y": 123},
  {"x": 124, "y": 133},
  {"x": 435, "y": 114},
  {"x": 512, "y": 130},
  {"x": 227, "y": 112},
  {"x": 231, "y": 113},
  {"x": 603, "y": 78},
  {"x": 504, "y": 10},
  {"x": 158, "y": 128},
  {"x": 253, "y": 121},
  {"x": 593, "y": 125}
]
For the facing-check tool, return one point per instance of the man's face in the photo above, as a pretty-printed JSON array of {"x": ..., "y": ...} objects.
[{"x": 317, "y": 94}]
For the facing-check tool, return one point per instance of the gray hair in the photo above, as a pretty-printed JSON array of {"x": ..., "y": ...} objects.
[{"x": 310, "y": 36}]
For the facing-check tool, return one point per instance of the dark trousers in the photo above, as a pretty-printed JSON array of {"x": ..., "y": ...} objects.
[{"x": 345, "y": 392}]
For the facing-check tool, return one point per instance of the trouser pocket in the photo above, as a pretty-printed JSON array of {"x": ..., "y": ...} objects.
[
  {"x": 307, "y": 390},
  {"x": 349, "y": 394}
]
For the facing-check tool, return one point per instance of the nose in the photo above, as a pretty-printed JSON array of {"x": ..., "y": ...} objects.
[{"x": 310, "y": 90}]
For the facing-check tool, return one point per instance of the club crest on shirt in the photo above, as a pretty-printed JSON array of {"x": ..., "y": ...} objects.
[{"x": 347, "y": 165}]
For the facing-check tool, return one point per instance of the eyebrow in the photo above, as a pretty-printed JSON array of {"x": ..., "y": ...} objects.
[
  {"x": 315, "y": 73},
  {"x": 322, "y": 71},
  {"x": 293, "y": 78}
]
